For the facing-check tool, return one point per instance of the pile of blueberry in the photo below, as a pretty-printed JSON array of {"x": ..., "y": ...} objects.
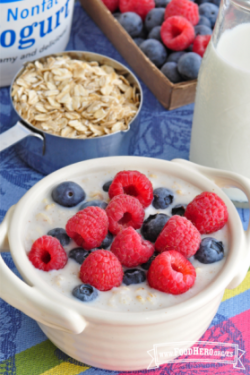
[{"x": 173, "y": 34}]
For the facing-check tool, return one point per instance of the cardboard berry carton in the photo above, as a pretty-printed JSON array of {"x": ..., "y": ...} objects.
[{"x": 170, "y": 95}]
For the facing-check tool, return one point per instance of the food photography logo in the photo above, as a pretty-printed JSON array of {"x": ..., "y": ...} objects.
[{"x": 199, "y": 351}]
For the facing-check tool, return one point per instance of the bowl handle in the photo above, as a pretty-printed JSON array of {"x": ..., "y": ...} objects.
[
  {"x": 30, "y": 300},
  {"x": 224, "y": 178}
]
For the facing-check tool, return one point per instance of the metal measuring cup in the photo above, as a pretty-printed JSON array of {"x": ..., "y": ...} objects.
[{"x": 46, "y": 153}]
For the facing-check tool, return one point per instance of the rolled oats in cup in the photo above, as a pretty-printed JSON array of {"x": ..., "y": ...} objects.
[{"x": 74, "y": 98}]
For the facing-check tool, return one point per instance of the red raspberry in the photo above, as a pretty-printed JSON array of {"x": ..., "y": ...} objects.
[
  {"x": 124, "y": 211},
  {"x": 207, "y": 212},
  {"x": 179, "y": 234},
  {"x": 88, "y": 227},
  {"x": 112, "y": 5},
  {"x": 102, "y": 270},
  {"x": 177, "y": 33},
  {"x": 140, "y": 7},
  {"x": 132, "y": 183},
  {"x": 184, "y": 8},
  {"x": 48, "y": 254},
  {"x": 171, "y": 272},
  {"x": 200, "y": 44},
  {"x": 131, "y": 249}
]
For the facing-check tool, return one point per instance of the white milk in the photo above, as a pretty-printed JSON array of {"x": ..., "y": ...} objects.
[
  {"x": 48, "y": 215},
  {"x": 221, "y": 124}
]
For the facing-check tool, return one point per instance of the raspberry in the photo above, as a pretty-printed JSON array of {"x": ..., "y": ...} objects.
[
  {"x": 184, "y": 8},
  {"x": 132, "y": 183},
  {"x": 88, "y": 227},
  {"x": 179, "y": 234},
  {"x": 200, "y": 44},
  {"x": 140, "y": 7},
  {"x": 171, "y": 272},
  {"x": 48, "y": 254},
  {"x": 207, "y": 212},
  {"x": 112, "y": 5},
  {"x": 124, "y": 211},
  {"x": 177, "y": 33},
  {"x": 131, "y": 249},
  {"x": 102, "y": 270}
]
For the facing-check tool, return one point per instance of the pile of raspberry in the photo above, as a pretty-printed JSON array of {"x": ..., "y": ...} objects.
[
  {"x": 94, "y": 229},
  {"x": 173, "y": 34}
]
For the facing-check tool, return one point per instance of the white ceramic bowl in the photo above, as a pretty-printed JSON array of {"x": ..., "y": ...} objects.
[{"x": 118, "y": 340}]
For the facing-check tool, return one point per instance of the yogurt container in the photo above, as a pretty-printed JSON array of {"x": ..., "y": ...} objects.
[{"x": 31, "y": 29}]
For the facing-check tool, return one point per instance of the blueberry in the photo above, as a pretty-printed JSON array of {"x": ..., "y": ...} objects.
[
  {"x": 210, "y": 251},
  {"x": 204, "y": 21},
  {"x": 131, "y": 22},
  {"x": 146, "y": 265},
  {"x": 134, "y": 276},
  {"x": 155, "y": 17},
  {"x": 215, "y": 2},
  {"x": 199, "y": 2},
  {"x": 189, "y": 65},
  {"x": 179, "y": 209},
  {"x": 117, "y": 15},
  {"x": 175, "y": 56},
  {"x": 210, "y": 11},
  {"x": 155, "y": 33},
  {"x": 138, "y": 41},
  {"x": 79, "y": 254},
  {"x": 153, "y": 225},
  {"x": 107, "y": 241},
  {"x": 169, "y": 69},
  {"x": 85, "y": 292},
  {"x": 155, "y": 51},
  {"x": 161, "y": 3},
  {"x": 202, "y": 30},
  {"x": 162, "y": 198},
  {"x": 68, "y": 194},
  {"x": 95, "y": 249},
  {"x": 143, "y": 33},
  {"x": 190, "y": 48},
  {"x": 106, "y": 186},
  {"x": 94, "y": 203},
  {"x": 60, "y": 234}
]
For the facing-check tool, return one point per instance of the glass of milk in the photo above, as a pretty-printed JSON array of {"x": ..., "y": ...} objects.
[{"x": 221, "y": 124}]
